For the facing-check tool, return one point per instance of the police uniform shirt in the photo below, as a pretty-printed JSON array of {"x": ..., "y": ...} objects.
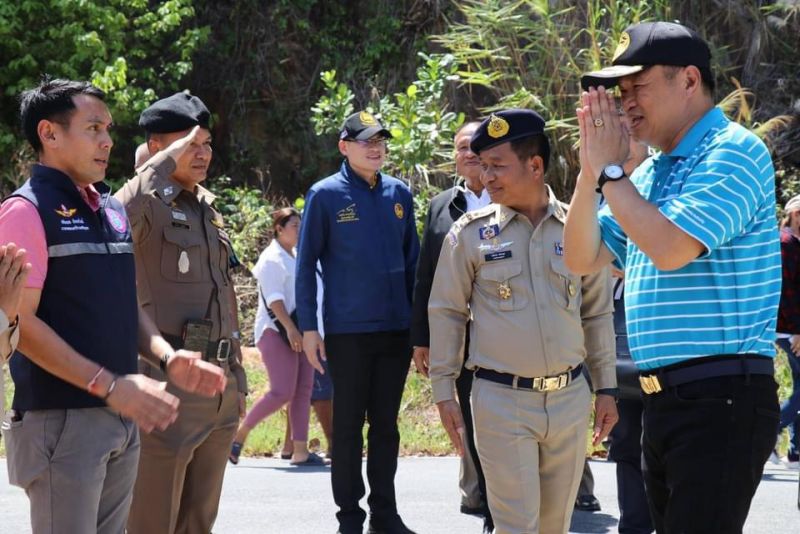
[
  {"x": 183, "y": 254},
  {"x": 530, "y": 316}
]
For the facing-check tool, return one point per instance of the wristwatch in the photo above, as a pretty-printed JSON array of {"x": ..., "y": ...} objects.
[{"x": 611, "y": 173}]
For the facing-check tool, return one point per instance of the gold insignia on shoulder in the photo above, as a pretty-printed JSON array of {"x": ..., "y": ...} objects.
[
  {"x": 498, "y": 126},
  {"x": 367, "y": 119},
  {"x": 217, "y": 221},
  {"x": 398, "y": 210},
  {"x": 624, "y": 43}
]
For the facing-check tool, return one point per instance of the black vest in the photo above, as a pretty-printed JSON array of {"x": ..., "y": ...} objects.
[{"x": 89, "y": 293}]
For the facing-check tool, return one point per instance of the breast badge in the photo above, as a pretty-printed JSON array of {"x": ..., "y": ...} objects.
[
  {"x": 504, "y": 290},
  {"x": 398, "y": 210},
  {"x": 183, "y": 262}
]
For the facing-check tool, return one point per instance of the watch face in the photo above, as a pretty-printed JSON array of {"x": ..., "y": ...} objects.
[{"x": 613, "y": 172}]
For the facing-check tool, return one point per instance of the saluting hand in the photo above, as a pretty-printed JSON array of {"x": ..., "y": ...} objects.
[
  {"x": 189, "y": 372},
  {"x": 314, "y": 348},
  {"x": 605, "y": 417},
  {"x": 145, "y": 401},
  {"x": 176, "y": 149},
  {"x": 453, "y": 422}
]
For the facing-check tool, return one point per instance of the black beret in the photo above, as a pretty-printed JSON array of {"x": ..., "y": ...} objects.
[
  {"x": 504, "y": 126},
  {"x": 175, "y": 113}
]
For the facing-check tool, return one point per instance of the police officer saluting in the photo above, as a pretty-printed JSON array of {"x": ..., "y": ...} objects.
[
  {"x": 183, "y": 270},
  {"x": 534, "y": 325}
]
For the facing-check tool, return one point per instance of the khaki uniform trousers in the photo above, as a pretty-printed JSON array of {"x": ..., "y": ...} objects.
[
  {"x": 532, "y": 447},
  {"x": 181, "y": 469},
  {"x": 77, "y": 467}
]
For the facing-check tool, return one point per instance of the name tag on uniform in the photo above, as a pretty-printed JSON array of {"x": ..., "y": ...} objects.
[
  {"x": 499, "y": 255},
  {"x": 179, "y": 215}
]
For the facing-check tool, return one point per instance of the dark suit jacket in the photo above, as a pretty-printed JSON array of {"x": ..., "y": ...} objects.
[{"x": 445, "y": 209}]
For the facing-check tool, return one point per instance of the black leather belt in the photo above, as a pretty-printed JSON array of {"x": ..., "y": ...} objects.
[
  {"x": 218, "y": 352},
  {"x": 657, "y": 380},
  {"x": 538, "y": 383}
]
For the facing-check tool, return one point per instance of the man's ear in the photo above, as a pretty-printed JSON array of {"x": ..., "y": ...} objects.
[
  {"x": 537, "y": 165},
  {"x": 343, "y": 147},
  {"x": 47, "y": 133},
  {"x": 153, "y": 145},
  {"x": 692, "y": 79}
]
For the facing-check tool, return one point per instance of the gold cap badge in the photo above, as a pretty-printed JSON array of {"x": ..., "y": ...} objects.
[
  {"x": 624, "y": 43},
  {"x": 367, "y": 119},
  {"x": 498, "y": 126},
  {"x": 398, "y": 210}
]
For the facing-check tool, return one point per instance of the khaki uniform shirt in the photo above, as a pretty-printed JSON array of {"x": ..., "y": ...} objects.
[
  {"x": 530, "y": 316},
  {"x": 182, "y": 254}
]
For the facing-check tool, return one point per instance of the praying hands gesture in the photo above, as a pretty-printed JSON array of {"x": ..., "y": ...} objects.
[{"x": 604, "y": 137}]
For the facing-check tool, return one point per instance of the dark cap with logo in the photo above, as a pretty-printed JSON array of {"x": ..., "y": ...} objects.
[
  {"x": 652, "y": 43},
  {"x": 175, "y": 113},
  {"x": 361, "y": 126},
  {"x": 504, "y": 126}
]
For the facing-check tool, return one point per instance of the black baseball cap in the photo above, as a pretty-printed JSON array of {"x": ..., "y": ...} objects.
[
  {"x": 504, "y": 126},
  {"x": 175, "y": 113},
  {"x": 361, "y": 126},
  {"x": 652, "y": 43}
]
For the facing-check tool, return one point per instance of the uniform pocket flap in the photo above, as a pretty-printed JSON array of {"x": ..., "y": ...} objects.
[
  {"x": 557, "y": 264},
  {"x": 182, "y": 237},
  {"x": 501, "y": 271}
]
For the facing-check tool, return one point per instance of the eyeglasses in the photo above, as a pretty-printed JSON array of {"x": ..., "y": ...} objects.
[{"x": 369, "y": 143}]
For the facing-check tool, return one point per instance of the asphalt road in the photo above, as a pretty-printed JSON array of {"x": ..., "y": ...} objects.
[{"x": 268, "y": 496}]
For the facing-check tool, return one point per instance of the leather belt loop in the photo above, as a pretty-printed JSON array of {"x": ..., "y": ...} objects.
[
  {"x": 745, "y": 369},
  {"x": 514, "y": 382}
]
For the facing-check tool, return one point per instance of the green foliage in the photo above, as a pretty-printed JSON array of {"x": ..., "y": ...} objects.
[
  {"x": 420, "y": 118},
  {"x": 132, "y": 49},
  {"x": 531, "y": 53},
  {"x": 246, "y": 213}
]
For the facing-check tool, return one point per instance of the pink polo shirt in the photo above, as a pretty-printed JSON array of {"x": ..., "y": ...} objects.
[{"x": 20, "y": 224}]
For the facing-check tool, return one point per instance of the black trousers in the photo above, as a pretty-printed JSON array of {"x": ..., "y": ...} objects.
[
  {"x": 368, "y": 373},
  {"x": 626, "y": 451},
  {"x": 704, "y": 445}
]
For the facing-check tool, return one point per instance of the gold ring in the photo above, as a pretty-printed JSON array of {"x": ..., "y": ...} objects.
[{"x": 598, "y": 123}]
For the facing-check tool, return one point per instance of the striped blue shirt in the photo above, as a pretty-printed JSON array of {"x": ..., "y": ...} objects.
[{"x": 718, "y": 186}]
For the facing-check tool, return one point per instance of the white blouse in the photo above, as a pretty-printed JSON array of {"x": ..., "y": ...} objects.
[{"x": 274, "y": 272}]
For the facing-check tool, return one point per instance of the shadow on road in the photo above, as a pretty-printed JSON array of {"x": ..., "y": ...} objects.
[
  {"x": 592, "y": 523},
  {"x": 287, "y": 468}
]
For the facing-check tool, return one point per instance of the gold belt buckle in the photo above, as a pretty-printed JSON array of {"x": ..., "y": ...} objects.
[{"x": 650, "y": 384}]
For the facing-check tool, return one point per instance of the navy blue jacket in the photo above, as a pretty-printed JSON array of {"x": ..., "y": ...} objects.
[
  {"x": 366, "y": 242},
  {"x": 89, "y": 294}
]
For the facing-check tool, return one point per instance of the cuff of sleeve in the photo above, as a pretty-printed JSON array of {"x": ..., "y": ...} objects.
[
  {"x": 684, "y": 221},
  {"x": 163, "y": 165},
  {"x": 272, "y": 297},
  {"x": 605, "y": 378},
  {"x": 443, "y": 389}
]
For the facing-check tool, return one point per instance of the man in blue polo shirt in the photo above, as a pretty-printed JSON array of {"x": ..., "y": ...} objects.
[
  {"x": 694, "y": 229},
  {"x": 360, "y": 225}
]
